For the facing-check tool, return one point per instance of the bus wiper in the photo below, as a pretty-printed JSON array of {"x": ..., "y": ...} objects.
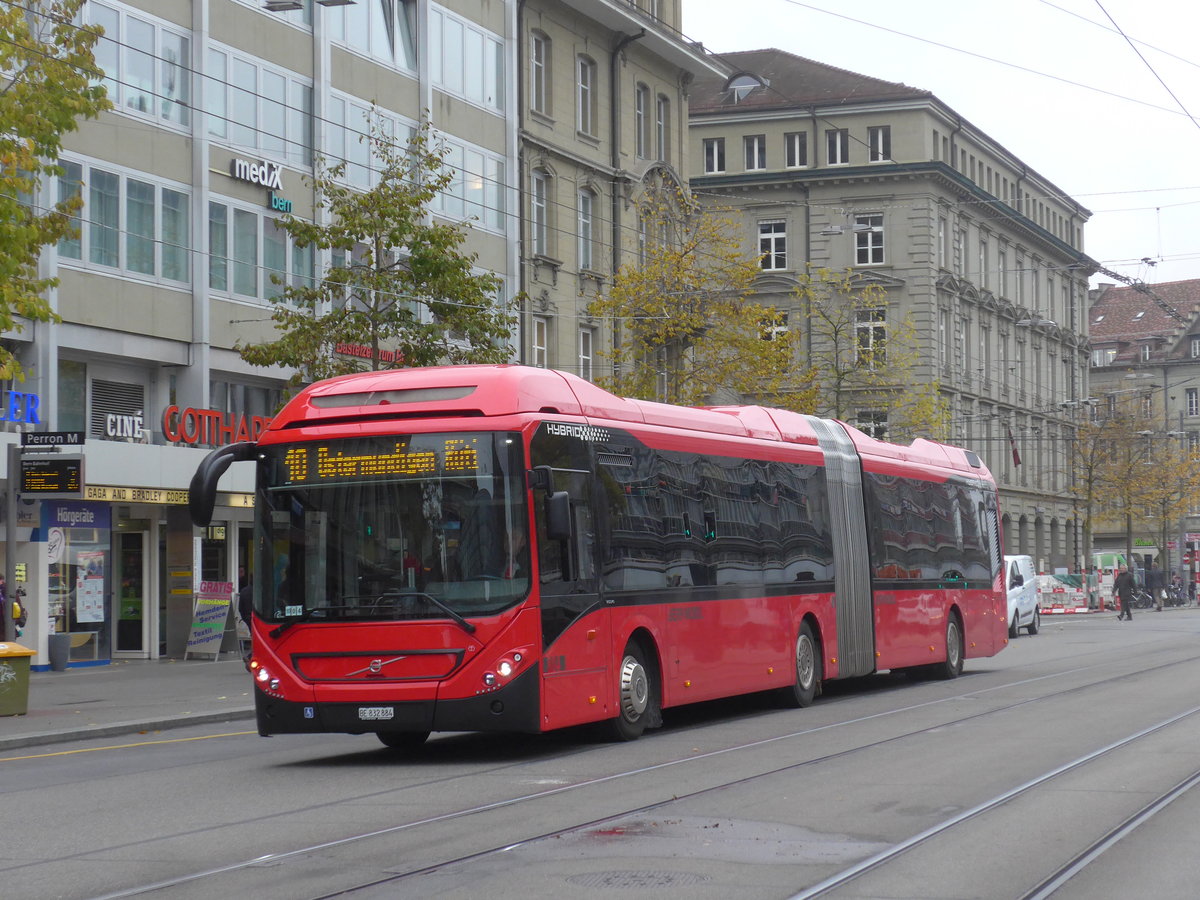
[
  {"x": 458, "y": 619},
  {"x": 303, "y": 617},
  {"x": 317, "y": 611}
]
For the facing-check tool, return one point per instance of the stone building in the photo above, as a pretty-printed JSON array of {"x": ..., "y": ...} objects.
[
  {"x": 1145, "y": 341},
  {"x": 981, "y": 253},
  {"x": 604, "y": 107}
]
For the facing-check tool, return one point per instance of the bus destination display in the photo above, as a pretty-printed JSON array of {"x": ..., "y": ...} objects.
[
  {"x": 317, "y": 463},
  {"x": 52, "y": 475}
]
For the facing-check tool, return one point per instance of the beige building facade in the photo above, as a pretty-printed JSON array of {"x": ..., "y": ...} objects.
[{"x": 221, "y": 109}]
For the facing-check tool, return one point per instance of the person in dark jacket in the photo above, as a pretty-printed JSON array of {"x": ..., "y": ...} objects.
[
  {"x": 245, "y": 607},
  {"x": 1123, "y": 588},
  {"x": 1156, "y": 585}
]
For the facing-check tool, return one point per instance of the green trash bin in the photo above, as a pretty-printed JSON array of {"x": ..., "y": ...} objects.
[{"x": 14, "y": 679}]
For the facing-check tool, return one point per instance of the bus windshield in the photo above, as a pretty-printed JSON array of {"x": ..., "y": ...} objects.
[{"x": 422, "y": 526}]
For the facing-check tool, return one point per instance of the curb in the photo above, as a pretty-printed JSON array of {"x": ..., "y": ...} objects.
[{"x": 118, "y": 728}]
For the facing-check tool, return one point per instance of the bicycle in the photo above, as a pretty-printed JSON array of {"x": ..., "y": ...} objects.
[
  {"x": 1142, "y": 599},
  {"x": 1176, "y": 596}
]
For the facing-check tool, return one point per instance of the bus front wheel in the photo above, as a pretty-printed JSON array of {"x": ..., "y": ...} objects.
[{"x": 637, "y": 699}]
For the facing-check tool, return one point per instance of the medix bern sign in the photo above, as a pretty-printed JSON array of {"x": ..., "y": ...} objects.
[
  {"x": 210, "y": 426},
  {"x": 268, "y": 174}
]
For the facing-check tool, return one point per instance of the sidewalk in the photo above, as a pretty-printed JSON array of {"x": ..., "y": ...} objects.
[{"x": 128, "y": 697}]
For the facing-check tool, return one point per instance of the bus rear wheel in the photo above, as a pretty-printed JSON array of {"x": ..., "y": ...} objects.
[
  {"x": 407, "y": 741},
  {"x": 637, "y": 695},
  {"x": 804, "y": 689},
  {"x": 953, "y": 665}
]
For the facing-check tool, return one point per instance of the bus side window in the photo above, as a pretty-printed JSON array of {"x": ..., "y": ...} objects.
[
  {"x": 585, "y": 541},
  {"x": 570, "y": 559}
]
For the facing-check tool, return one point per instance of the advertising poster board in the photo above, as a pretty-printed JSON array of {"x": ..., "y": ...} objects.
[
  {"x": 89, "y": 586},
  {"x": 210, "y": 613}
]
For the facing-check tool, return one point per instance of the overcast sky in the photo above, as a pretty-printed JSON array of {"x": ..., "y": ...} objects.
[{"x": 1054, "y": 81}]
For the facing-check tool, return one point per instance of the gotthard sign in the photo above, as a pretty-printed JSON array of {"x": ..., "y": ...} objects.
[{"x": 210, "y": 426}]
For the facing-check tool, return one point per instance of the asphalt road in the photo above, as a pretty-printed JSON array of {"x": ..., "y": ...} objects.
[{"x": 1062, "y": 767}]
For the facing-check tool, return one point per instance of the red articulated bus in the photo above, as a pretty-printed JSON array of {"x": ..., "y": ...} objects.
[{"x": 504, "y": 548}]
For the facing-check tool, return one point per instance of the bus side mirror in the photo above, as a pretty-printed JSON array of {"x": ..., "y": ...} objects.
[
  {"x": 202, "y": 492},
  {"x": 558, "y": 516},
  {"x": 541, "y": 478}
]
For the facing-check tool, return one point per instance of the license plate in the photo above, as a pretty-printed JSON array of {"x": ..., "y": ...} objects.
[{"x": 375, "y": 713}]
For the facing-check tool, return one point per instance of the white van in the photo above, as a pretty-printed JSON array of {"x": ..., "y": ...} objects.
[{"x": 1021, "y": 581}]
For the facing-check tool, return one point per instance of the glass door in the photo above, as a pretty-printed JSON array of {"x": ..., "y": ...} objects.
[{"x": 129, "y": 594}]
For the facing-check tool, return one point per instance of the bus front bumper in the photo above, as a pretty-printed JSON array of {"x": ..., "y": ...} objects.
[{"x": 513, "y": 708}]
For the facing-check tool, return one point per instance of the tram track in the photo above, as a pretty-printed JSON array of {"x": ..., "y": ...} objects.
[
  {"x": 844, "y": 877},
  {"x": 1082, "y": 860},
  {"x": 661, "y": 804}
]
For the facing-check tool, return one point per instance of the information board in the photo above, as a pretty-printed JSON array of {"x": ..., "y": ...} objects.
[{"x": 52, "y": 476}]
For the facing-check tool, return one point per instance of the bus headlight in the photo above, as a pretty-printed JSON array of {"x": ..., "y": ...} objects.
[
  {"x": 266, "y": 680},
  {"x": 505, "y": 668}
]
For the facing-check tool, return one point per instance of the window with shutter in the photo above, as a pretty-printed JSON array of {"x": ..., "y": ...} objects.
[{"x": 117, "y": 411}]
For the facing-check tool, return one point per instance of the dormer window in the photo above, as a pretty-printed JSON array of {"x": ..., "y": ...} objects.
[
  {"x": 740, "y": 86},
  {"x": 1146, "y": 348}
]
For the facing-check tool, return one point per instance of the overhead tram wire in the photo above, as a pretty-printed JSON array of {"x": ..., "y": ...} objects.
[
  {"x": 630, "y": 231},
  {"x": 1117, "y": 31},
  {"x": 983, "y": 57},
  {"x": 558, "y": 205},
  {"x": 289, "y": 107},
  {"x": 1133, "y": 47},
  {"x": 351, "y": 131}
]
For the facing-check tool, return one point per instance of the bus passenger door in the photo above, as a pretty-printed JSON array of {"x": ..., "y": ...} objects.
[{"x": 575, "y": 627}]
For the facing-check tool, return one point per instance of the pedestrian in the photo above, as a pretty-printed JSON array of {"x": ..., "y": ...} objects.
[
  {"x": 1123, "y": 589},
  {"x": 4, "y": 611},
  {"x": 245, "y": 607},
  {"x": 1156, "y": 584}
]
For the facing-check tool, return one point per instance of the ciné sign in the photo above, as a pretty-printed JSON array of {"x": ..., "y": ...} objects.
[{"x": 210, "y": 426}]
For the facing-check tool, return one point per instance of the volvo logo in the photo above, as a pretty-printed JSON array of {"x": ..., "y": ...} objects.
[{"x": 375, "y": 666}]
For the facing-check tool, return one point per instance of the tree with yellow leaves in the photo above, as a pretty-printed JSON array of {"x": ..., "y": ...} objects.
[
  {"x": 865, "y": 358},
  {"x": 1137, "y": 473},
  {"x": 1088, "y": 460},
  {"x": 685, "y": 328},
  {"x": 1170, "y": 483}
]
